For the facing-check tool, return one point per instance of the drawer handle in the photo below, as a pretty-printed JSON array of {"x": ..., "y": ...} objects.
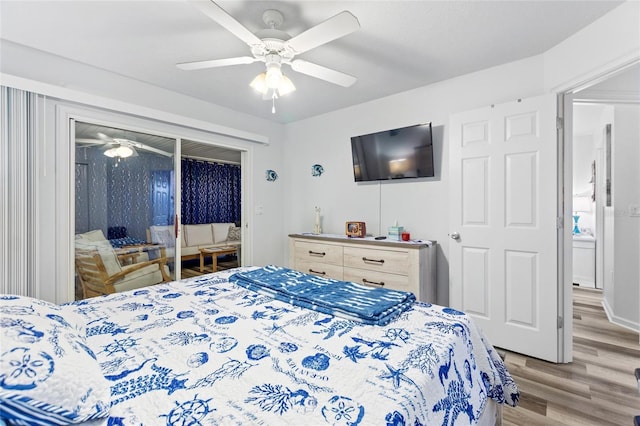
[
  {"x": 380, "y": 261},
  {"x": 366, "y": 281},
  {"x": 316, "y": 253},
  {"x": 317, "y": 272}
]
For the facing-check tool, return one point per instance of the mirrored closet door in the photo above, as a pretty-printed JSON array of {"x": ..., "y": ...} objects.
[
  {"x": 124, "y": 185},
  {"x": 128, "y": 187}
]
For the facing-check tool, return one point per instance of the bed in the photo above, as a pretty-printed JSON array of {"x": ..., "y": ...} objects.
[{"x": 207, "y": 351}]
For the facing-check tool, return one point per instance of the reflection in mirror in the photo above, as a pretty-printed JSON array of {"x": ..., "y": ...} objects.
[{"x": 124, "y": 185}]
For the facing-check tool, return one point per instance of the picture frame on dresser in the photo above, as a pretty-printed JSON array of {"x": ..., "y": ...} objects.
[{"x": 355, "y": 229}]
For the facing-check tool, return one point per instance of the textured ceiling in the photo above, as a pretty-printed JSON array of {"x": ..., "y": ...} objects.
[{"x": 401, "y": 45}]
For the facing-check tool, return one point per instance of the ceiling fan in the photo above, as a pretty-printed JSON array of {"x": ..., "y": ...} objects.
[
  {"x": 120, "y": 147},
  {"x": 275, "y": 47}
]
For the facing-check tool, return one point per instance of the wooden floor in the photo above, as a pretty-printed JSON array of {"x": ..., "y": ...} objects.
[
  {"x": 192, "y": 268},
  {"x": 598, "y": 388}
]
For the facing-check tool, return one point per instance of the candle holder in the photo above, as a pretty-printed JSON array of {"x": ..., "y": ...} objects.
[
  {"x": 317, "y": 229},
  {"x": 576, "y": 228}
]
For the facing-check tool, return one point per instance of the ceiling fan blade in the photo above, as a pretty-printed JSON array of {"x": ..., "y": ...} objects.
[
  {"x": 198, "y": 65},
  {"x": 335, "y": 27},
  {"x": 139, "y": 145},
  {"x": 87, "y": 142},
  {"x": 219, "y": 15},
  {"x": 104, "y": 137},
  {"x": 323, "y": 73}
]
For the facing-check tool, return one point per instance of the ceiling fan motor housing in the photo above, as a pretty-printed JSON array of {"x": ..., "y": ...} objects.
[{"x": 272, "y": 18}]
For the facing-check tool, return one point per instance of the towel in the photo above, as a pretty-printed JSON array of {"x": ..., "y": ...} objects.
[{"x": 373, "y": 306}]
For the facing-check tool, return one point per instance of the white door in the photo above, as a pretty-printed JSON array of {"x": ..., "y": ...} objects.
[{"x": 503, "y": 255}]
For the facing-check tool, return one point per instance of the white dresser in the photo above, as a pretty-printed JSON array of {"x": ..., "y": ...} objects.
[
  {"x": 407, "y": 266},
  {"x": 584, "y": 260}
]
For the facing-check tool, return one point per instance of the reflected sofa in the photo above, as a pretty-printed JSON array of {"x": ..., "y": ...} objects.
[{"x": 195, "y": 237}]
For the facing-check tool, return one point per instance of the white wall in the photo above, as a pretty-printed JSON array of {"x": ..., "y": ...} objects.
[
  {"x": 625, "y": 194},
  {"x": 421, "y": 206},
  {"x": 610, "y": 41},
  {"x": 583, "y": 155}
]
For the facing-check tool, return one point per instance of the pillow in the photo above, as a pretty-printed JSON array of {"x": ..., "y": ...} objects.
[
  {"x": 198, "y": 235},
  {"x": 156, "y": 230},
  {"x": 166, "y": 238},
  {"x": 48, "y": 374},
  {"x": 220, "y": 232},
  {"x": 95, "y": 235},
  {"x": 94, "y": 240},
  {"x": 234, "y": 233}
]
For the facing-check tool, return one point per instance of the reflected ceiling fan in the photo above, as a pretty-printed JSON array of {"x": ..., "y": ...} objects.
[
  {"x": 275, "y": 47},
  {"x": 120, "y": 147}
]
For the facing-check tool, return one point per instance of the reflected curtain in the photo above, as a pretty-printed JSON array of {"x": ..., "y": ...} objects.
[{"x": 210, "y": 192}]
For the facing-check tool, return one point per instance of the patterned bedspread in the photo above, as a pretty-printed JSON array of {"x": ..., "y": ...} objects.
[{"x": 204, "y": 351}]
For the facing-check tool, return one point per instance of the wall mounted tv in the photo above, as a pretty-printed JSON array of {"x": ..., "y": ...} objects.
[{"x": 401, "y": 153}]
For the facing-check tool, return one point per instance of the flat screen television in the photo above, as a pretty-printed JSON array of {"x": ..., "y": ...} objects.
[{"x": 401, "y": 153}]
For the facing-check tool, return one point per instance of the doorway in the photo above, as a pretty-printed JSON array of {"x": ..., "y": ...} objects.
[{"x": 605, "y": 143}]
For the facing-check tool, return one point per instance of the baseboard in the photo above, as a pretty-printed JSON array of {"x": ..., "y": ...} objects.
[{"x": 630, "y": 325}]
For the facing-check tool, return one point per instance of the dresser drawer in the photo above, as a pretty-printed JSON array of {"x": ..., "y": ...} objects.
[
  {"x": 378, "y": 279},
  {"x": 399, "y": 265},
  {"x": 326, "y": 270},
  {"x": 318, "y": 253},
  {"x": 396, "y": 262}
]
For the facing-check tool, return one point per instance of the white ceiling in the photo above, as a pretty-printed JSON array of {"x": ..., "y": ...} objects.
[{"x": 401, "y": 45}]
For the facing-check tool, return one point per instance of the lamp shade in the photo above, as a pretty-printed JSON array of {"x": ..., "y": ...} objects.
[
  {"x": 276, "y": 82},
  {"x": 286, "y": 86},
  {"x": 121, "y": 151},
  {"x": 260, "y": 83},
  {"x": 581, "y": 204}
]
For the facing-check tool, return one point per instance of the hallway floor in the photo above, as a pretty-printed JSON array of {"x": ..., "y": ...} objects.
[{"x": 598, "y": 388}]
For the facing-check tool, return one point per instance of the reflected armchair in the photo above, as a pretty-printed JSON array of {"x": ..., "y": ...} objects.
[{"x": 100, "y": 272}]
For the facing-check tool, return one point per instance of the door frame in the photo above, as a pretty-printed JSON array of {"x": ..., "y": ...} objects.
[{"x": 565, "y": 94}]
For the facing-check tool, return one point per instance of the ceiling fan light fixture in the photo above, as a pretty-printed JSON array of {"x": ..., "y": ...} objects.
[
  {"x": 281, "y": 86},
  {"x": 273, "y": 75},
  {"x": 286, "y": 86},
  {"x": 122, "y": 151},
  {"x": 111, "y": 152},
  {"x": 260, "y": 83}
]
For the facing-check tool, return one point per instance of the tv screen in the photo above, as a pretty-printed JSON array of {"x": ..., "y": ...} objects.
[{"x": 401, "y": 153}]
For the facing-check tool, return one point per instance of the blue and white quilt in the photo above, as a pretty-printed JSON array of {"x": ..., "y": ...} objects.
[{"x": 204, "y": 351}]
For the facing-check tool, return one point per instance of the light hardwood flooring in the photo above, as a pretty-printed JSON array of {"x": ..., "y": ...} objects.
[
  {"x": 598, "y": 388},
  {"x": 192, "y": 268}
]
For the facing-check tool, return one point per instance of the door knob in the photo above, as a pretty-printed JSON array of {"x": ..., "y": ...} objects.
[{"x": 455, "y": 236}]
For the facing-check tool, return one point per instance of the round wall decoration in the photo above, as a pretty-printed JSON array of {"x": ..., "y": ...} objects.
[
  {"x": 317, "y": 170},
  {"x": 271, "y": 175}
]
